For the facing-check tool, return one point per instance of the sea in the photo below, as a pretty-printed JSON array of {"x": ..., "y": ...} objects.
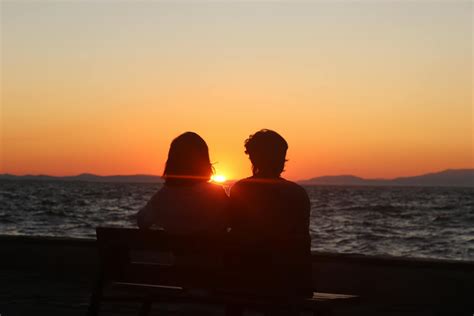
[{"x": 422, "y": 222}]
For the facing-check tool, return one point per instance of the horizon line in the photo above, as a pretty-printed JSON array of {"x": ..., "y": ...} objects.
[{"x": 228, "y": 180}]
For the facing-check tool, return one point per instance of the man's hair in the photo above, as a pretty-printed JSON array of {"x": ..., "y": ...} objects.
[{"x": 267, "y": 152}]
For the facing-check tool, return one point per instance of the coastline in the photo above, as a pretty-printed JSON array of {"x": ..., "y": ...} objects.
[{"x": 51, "y": 275}]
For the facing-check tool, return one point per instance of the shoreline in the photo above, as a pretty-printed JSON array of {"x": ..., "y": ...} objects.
[
  {"x": 356, "y": 256},
  {"x": 417, "y": 261}
]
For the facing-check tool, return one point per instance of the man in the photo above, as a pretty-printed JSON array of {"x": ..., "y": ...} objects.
[{"x": 270, "y": 217}]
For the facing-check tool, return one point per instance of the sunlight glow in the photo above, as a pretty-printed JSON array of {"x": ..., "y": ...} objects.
[
  {"x": 227, "y": 69},
  {"x": 218, "y": 178}
]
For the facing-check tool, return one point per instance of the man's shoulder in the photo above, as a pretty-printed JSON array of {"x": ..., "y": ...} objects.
[
  {"x": 293, "y": 184},
  {"x": 243, "y": 181},
  {"x": 240, "y": 184},
  {"x": 281, "y": 182},
  {"x": 295, "y": 187}
]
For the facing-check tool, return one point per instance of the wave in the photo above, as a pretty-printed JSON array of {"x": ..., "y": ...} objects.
[{"x": 426, "y": 222}]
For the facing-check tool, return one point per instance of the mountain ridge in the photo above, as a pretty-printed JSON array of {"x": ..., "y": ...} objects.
[
  {"x": 448, "y": 177},
  {"x": 88, "y": 177}
]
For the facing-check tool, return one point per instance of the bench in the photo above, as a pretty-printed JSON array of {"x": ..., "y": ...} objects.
[{"x": 148, "y": 266}]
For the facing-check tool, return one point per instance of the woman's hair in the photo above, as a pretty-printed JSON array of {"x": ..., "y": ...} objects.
[
  {"x": 267, "y": 152},
  {"x": 188, "y": 161}
]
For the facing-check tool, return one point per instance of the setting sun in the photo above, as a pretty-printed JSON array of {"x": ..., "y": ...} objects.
[{"x": 218, "y": 178}]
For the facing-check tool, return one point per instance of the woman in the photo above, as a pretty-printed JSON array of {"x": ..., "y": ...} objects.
[{"x": 187, "y": 202}]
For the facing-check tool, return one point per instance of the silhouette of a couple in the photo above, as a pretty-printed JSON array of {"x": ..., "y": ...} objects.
[{"x": 265, "y": 208}]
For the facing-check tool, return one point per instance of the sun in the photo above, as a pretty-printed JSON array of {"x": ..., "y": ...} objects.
[{"x": 219, "y": 178}]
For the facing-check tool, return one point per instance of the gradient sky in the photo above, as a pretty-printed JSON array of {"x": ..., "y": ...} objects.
[{"x": 375, "y": 89}]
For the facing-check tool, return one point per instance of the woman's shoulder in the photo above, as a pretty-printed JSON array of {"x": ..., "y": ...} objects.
[
  {"x": 213, "y": 189},
  {"x": 198, "y": 187}
]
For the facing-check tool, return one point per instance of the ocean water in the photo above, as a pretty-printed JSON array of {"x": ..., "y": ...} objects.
[{"x": 399, "y": 221}]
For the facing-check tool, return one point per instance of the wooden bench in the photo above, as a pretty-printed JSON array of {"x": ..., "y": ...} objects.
[{"x": 150, "y": 266}]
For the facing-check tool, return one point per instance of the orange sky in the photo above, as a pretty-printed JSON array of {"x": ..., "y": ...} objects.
[{"x": 371, "y": 89}]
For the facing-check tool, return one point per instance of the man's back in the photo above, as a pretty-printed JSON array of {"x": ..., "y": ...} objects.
[
  {"x": 273, "y": 215},
  {"x": 269, "y": 208}
]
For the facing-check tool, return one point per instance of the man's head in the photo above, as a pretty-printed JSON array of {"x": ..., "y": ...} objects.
[{"x": 267, "y": 152}]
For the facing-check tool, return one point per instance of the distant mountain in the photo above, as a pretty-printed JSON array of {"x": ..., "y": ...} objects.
[
  {"x": 88, "y": 177},
  {"x": 337, "y": 180},
  {"x": 450, "y": 177}
]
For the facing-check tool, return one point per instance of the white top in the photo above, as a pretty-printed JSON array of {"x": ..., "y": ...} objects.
[{"x": 186, "y": 209}]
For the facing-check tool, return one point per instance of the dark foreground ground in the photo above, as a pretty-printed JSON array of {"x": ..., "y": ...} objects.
[{"x": 50, "y": 276}]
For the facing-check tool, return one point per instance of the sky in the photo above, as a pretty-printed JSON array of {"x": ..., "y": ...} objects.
[{"x": 374, "y": 89}]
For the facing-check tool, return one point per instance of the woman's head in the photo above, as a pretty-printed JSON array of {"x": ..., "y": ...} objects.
[
  {"x": 188, "y": 160},
  {"x": 267, "y": 152}
]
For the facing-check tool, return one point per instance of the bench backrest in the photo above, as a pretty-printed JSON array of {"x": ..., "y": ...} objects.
[
  {"x": 196, "y": 261},
  {"x": 155, "y": 257}
]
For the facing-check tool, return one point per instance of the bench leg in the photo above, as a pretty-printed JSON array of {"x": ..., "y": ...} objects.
[
  {"x": 94, "y": 305},
  {"x": 326, "y": 312},
  {"x": 145, "y": 308},
  {"x": 231, "y": 310},
  {"x": 280, "y": 312}
]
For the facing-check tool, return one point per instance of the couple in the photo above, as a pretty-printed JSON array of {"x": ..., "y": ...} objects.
[{"x": 264, "y": 208}]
